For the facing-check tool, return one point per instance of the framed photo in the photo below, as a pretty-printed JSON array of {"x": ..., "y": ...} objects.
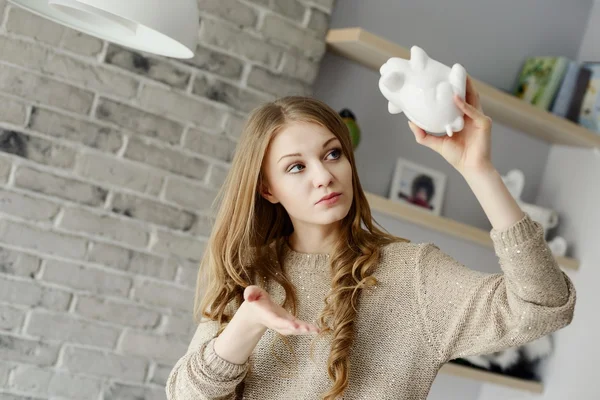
[{"x": 418, "y": 186}]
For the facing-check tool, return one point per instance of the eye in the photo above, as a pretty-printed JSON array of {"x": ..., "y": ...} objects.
[
  {"x": 291, "y": 169},
  {"x": 337, "y": 153}
]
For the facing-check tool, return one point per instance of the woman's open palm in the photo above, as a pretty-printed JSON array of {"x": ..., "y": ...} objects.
[{"x": 262, "y": 309}]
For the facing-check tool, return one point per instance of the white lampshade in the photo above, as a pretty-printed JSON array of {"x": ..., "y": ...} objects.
[{"x": 165, "y": 27}]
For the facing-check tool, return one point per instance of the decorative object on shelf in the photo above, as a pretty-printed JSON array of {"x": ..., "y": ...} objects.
[
  {"x": 520, "y": 362},
  {"x": 539, "y": 80},
  {"x": 589, "y": 115},
  {"x": 168, "y": 28},
  {"x": 350, "y": 119},
  {"x": 418, "y": 186},
  {"x": 515, "y": 181},
  {"x": 558, "y": 246},
  {"x": 423, "y": 89}
]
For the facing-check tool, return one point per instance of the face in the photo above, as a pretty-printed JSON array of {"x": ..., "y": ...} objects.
[{"x": 304, "y": 163}]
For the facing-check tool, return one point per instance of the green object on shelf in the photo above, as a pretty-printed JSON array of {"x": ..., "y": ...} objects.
[{"x": 353, "y": 128}]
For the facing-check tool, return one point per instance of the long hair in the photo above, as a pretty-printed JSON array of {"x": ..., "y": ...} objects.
[{"x": 239, "y": 249}]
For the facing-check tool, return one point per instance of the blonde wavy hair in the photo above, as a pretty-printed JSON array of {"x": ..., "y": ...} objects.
[{"x": 239, "y": 249}]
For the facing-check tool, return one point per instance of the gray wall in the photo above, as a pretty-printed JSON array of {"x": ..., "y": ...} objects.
[{"x": 490, "y": 39}]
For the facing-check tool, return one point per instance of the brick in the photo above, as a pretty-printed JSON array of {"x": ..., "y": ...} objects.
[
  {"x": 15, "y": 263},
  {"x": 180, "y": 325},
  {"x": 326, "y": 5},
  {"x": 187, "y": 195},
  {"x": 166, "y": 159},
  {"x": 318, "y": 21},
  {"x": 231, "y": 10},
  {"x": 5, "y": 167},
  {"x": 36, "y": 149},
  {"x": 95, "y": 77},
  {"x": 226, "y": 93},
  {"x": 44, "y": 90},
  {"x": 105, "y": 310},
  {"x": 139, "y": 121},
  {"x": 181, "y": 107},
  {"x": 77, "y": 130},
  {"x": 22, "y": 53},
  {"x": 11, "y": 318},
  {"x": 12, "y": 111},
  {"x": 105, "y": 364},
  {"x": 105, "y": 168},
  {"x": 27, "y": 293},
  {"x": 105, "y": 226},
  {"x": 31, "y": 208},
  {"x": 80, "y": 43},
  {"x": 203, "y": 226},
  {"x": 24, "y": 23},
  {"x": 290, "y": 8},
  {"x": 187, "y": 272},
  {"x": 161, "y": 374},
  {"x": 47, "y": 382},
  {"x": 281, "y": 30},
  {"x": 86, "y": 279},
  {"x": 164, "y": 295},
  {"x": 240, "y": 42},
  {"x": 213, "y": 145},
  {"x": 216, "y": 63},
  {"x": 234, "y": 125},
  {"x": 131, "y": 261},
  {"x": 58, "y": 186},
  {"x": 160, "y": 348},
  {"x": 179, "y": 245},
  {"x": 150, "y": 67},
  {"x": 5, "y": 368},
  {"x": 217, "y": 176},
  {"x": 274, "y": 84},
  {"x": 66, "y": 327},
  {"x": 298, "y": 67},
  {"x": 152, "y": 211},
  {"x": 42, "y": 240},
  {"x": 27, "y": 350},
  {"x": 123, "y": 391}
]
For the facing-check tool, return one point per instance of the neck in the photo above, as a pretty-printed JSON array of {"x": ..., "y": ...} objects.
[{"x": 316, "y": 240}]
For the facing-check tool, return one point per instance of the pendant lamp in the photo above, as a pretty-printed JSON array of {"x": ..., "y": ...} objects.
[{"x": 165, "y": 27}]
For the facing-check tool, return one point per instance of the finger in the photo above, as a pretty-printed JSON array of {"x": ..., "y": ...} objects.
[
  {"x": 252, "y": 293},
  {"x": 431, "y": 141},
  {"x": 472, "y": 96},
  {"x": 468, "y": 109}
]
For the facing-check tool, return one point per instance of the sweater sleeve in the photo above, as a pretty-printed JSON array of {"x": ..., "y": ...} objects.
[
  {"x": 201, "y": 374},
  {"x": 466, "y": 312}
]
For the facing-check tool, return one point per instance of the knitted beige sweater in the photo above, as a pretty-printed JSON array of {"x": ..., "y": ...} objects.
[{"x": 427, "y": 309}]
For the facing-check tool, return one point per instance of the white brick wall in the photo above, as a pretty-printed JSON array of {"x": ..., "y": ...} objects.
[{"x": 110, "y": 160}]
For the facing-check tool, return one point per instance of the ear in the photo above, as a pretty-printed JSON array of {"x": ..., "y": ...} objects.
[{"x": 266, "y": 193}]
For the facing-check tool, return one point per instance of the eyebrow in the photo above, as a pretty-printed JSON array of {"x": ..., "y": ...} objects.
[{"x": 299, "y": 155}]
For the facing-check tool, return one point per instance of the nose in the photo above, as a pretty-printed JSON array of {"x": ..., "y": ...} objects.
[{"x": 322, "y": 176}]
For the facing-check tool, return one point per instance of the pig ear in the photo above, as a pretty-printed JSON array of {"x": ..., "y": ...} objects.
[
  {"x": 394, "y": 109},
  {"x": 393, "y": 81}
]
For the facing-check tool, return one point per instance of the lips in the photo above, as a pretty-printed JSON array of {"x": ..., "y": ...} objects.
[{"x": 329, "y": 196}]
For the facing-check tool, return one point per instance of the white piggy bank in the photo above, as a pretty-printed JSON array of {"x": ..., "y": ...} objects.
[{"x": 423, "y": 88}]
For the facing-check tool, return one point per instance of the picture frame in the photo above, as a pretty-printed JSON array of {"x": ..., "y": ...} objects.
[{"x": 418, "y": 186}]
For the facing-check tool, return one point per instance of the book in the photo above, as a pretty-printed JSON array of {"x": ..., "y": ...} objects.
[
  {"x": 539, "y": 79},
  {"x": 589, "y": 115},
  {"x": 567, "y": 102}
]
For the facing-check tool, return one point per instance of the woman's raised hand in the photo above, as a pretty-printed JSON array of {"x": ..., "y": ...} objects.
[{"x": 261, "y": 309}]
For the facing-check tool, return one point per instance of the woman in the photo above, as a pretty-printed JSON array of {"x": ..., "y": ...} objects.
[{"x": 307, "y": 299}]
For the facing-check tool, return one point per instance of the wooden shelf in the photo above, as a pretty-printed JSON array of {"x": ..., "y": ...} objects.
[
  {"x": 491, "y": 377},
  {"x": 443, "y": 225},
  {"x": 372, "y": 51}
]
